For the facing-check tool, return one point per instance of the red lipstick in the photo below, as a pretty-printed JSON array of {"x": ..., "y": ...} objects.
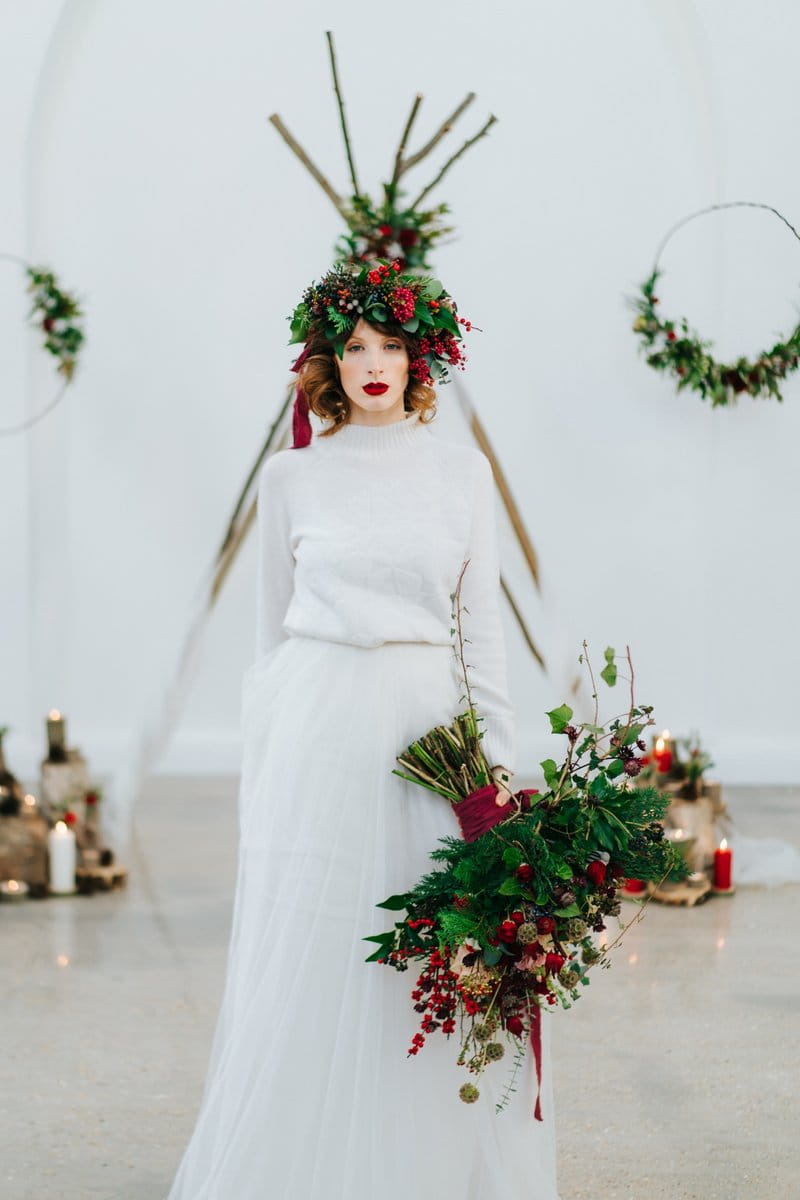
[{"x": 375, "y": 389}]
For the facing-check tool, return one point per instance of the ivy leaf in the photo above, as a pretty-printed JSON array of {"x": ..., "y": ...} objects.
[
  {"x": 433, "y": 289},
  {"x": 492, "y": 955},
  {"x": 379, "y": 313},
  {"x": 511, "y": 887},
  {"x": 615, "y": 768},
  {"x": 512, "y": 858},
  {"x": 573, "y": 910},
  {"x": 560, "y": 718},
  {"x": 609, "y": 671},
  {"x": 550, "y": 771},
  {"x": 411, "y": 326}
]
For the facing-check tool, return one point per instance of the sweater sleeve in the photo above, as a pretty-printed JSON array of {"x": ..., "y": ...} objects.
[
  {"x": 485, "y": 650},
  {"x": 275, "y": 561}
]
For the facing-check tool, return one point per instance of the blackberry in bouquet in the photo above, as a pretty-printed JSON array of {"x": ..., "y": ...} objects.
[{"x": 503, "y": 926}]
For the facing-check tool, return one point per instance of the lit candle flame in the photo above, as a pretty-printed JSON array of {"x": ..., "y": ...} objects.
[
  {"x": 61, "y": 828},
  {"x": 54, "y": 715},
  {"x": 13, "y": 886},
  {"x": 62, "y": 960},
  {"x": 659, "y": 745},
  {"x": 723, "y": 844}
]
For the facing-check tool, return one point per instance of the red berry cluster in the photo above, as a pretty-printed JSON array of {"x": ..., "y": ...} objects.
[
  {"x": 382, "y": 272},
  {"x": 419, "y": 368},
  {"x": 436, "y": 998},
  {"x": 402, "y": 301}
]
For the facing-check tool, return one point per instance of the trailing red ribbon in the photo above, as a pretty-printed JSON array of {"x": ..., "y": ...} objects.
[
  {"x": 479, "y": 812},
  {"x": 301, "y": 425},
  {"x": 536, "y": 1047}
]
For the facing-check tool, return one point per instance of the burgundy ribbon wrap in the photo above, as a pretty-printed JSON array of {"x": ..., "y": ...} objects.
[
  {"x": 479, "y": 812},
  {"x": 301, "y": 425}
]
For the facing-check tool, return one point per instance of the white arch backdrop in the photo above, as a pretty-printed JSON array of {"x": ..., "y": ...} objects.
[{"x": 157, "y": 188}]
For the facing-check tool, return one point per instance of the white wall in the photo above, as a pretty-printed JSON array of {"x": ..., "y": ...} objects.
[{"x": 141, "y": 166}]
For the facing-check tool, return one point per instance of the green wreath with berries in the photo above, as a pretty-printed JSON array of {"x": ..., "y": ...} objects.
[
  {"x": 58, "y": 315},
  {"x": 671, "y": 346}
]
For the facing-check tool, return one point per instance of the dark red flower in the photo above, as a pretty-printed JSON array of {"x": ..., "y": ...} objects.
[
  {"x": 514, "y": 1025},
  {"x": 408, "y": 238},
  {"x": 91, "y": 797},
  {"x": 385, "y": 230},
  {"x": 671, "y": 336},
  {"x": 70, "y": 818},
  {"x": 553, "y": 963},
  {"x": 596, "y": 871},
  {"x": 518, "y": 917},
  {"x": 524, "y": 872},
  {"x": 545, "y": 924}
]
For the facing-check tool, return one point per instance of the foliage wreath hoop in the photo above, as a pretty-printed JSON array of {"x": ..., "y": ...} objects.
[
  {"x": 58, "y": 315},
  {"x": 671, "y": 346}
]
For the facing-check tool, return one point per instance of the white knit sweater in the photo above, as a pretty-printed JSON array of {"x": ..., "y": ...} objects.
[{"x": 361, "y": 539}]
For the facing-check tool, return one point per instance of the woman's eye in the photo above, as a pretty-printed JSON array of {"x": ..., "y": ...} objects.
[
  {"x": 351, "y": 348},
  {"x": 393, "y": 346}
]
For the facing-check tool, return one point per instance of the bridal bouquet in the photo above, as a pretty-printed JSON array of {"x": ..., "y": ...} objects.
[{"x": 504, "y": 925}]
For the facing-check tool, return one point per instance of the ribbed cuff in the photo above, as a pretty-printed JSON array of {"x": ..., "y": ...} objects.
[{"x": 499, "y": 742}]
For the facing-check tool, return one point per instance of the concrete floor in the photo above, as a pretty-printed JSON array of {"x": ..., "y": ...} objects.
[{"x": 675, "y": 1075}]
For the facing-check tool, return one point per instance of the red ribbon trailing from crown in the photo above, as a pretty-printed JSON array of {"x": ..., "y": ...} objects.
[
  {"x": 301, "y": 425},
  {"x": 477, "y": 814}
]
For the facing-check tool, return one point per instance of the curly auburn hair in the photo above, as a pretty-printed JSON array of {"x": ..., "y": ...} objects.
[{"x": 320, "y": 380}]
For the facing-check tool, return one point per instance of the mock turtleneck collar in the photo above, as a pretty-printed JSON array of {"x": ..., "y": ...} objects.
[{"x": 376, "y": 439}]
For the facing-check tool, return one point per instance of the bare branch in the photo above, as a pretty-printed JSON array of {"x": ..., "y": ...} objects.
[
  {"x": 470, "y": 142},
  {"x": 298, "y": 150},
  {"x": 401, "y": 149},
  {"x": 437, "y": 137},
  {"x": 342, "y": 117}
]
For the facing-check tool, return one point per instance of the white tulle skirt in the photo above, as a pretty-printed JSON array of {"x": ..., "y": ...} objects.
[{"x": 310, "y": 1094}]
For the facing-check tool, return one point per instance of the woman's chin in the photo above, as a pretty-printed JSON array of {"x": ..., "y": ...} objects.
[{"x": 377, "y": 406}]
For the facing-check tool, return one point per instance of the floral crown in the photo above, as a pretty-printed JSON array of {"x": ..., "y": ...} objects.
[{"x": 381, "y": 294}]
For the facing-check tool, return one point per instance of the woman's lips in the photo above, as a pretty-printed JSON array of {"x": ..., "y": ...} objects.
[{"x": 375, "y": 389}]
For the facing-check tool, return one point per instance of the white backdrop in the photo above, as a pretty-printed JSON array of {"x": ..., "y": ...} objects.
[{"x": 139, "y": 163}]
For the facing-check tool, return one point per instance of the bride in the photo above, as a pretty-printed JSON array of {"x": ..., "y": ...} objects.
[{"x": 363, "y": 530}]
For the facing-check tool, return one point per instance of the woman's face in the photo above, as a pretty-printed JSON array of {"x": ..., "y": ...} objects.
[{"x": 374, "y": 375}]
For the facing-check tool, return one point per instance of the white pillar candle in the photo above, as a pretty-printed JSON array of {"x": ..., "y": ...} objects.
[{"x": 61, "y": 844}]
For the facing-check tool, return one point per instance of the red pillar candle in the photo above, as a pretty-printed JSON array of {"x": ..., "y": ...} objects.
[
  {"x": 723, "y": 862},
  {"x": 662, "y": 753}
]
